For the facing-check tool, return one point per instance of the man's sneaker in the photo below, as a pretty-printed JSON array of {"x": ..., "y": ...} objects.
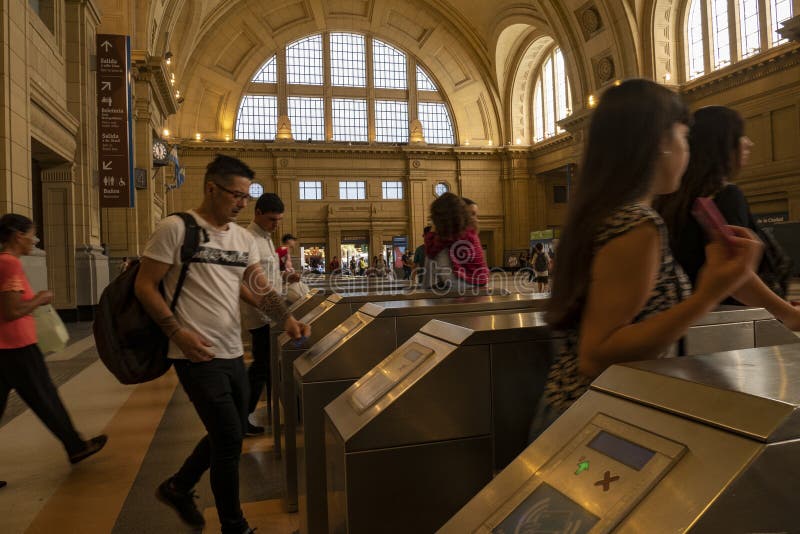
[
  {"x": 253, "y": 430},
  {"x": 93, "y": 446},
  {"x": 181, "y": 502},
  {"x": 3, "y": 483}
]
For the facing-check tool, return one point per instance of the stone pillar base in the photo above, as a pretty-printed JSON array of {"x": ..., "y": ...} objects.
[{"x": 91, "y": 267}]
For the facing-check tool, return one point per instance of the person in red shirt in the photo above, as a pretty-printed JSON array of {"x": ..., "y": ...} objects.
[
  {"x": 454, "y": 231},
  {"x": 284, "y": 256},
  {"x": 22, "y": 364}
]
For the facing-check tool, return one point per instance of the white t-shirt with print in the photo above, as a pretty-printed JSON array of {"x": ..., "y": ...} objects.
[
  {"x": 253, "y": 317},
  {"x": 209, "y": 300}
]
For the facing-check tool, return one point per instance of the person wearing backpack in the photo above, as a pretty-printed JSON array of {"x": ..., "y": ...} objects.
[
  {"x": 204, "y": 331},
  {"x": 541, "y": 265},
  {"x": 22, "y": 365}
]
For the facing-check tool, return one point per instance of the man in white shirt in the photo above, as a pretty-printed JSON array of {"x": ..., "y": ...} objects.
[
  {"x": 205, "y": 333},
  {"x": 268, "y": 214}
]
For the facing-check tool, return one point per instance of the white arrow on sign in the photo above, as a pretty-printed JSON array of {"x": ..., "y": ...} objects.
[
  {"x": 106, "y": 165},
  {"x": 106, "y": 45},
  {"x": 106, "y": 100},
  {"x": 105, "y": 86}
]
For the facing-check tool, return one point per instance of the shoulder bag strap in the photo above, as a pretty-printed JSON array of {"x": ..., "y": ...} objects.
[{"x": 191, "y": 243}]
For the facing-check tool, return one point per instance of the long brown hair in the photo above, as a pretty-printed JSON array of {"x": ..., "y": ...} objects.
[
  {"x": 618, "y": 168},
  {"x": 449, "y": 216},
  {"x": 714, "y": 145}
]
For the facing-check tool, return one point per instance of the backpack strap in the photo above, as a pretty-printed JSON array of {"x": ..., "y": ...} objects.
[{"x": 191, "y": 244}]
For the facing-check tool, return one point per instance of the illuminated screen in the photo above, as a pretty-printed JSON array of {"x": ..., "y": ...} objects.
[
  {"x": 622, "y": 450},
  {"x": 547, "y": 510}
]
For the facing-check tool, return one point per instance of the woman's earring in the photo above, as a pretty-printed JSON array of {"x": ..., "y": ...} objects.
[{"x": 666, "y": 152}]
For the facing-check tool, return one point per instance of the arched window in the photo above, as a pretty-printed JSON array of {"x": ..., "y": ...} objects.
[
  {"x": 737, "y": 29},
  {"x": 331, "y": 95},
  {"x": 551, "y": 96}
]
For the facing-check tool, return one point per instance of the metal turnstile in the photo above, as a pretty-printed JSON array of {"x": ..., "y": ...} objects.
[
  {"x": 324, "y": 318},
  {"x": 736, "y": 327},
  {"x": 423, "y": 430},
  {"x": 709, "y": 443},
  {"x": 347, "y": 353}
]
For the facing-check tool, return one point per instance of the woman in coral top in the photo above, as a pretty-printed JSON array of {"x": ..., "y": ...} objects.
[{"x": 22, "y": 365}]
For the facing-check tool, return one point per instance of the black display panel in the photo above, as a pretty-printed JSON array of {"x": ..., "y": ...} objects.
[
  {"x": 633, "y": 455},
  {"x": 547, "y": 510}
]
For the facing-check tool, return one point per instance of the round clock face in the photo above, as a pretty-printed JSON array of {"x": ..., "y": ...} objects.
[
  {"x": 256, "y": 190},
  {"x": 440, "y": 189},
  {"x": 159, "y": 150}
]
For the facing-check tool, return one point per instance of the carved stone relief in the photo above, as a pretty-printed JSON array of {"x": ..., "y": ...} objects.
[{"x": 589, "y": 19}]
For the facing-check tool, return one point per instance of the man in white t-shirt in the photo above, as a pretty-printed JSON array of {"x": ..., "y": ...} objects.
[
  {"x": 205, "y": 333},
  {"x": 268, "y": 213}
]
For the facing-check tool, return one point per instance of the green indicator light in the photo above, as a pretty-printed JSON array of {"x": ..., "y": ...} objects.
[{"x": 582, "y": 466}]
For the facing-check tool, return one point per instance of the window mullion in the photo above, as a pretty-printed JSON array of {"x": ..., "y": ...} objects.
[
  {"x": 411, "y": 77},
  {"x": 370, "y": 65},
  {"x": 283, "y": 104},
  {"x": 708, "y": 40},
  {"x": 735, "y": 23},
  {"x": 327, "y": 94},
  {"x": 765, "y": 24}
]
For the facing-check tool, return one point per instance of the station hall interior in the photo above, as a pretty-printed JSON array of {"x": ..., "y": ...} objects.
[{"x": 406, "y": 409}]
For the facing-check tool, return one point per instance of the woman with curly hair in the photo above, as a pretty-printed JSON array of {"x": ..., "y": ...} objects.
[{"x": 452, "y": 248}]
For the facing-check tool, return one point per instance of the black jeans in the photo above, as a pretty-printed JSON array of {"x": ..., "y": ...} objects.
[
  {"x": 24, "y": 370},
  {"x": 258, "y": 374},
  {"x": 218, "y": 390}
]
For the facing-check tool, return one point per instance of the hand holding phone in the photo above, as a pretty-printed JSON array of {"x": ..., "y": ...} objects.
[{"x": 712, "y": 221}]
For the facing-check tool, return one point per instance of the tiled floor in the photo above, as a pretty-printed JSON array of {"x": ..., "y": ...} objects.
[{"x": 151, "y": 429}]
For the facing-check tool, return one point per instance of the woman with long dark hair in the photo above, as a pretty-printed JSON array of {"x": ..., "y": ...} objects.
[
  {"x": 22, "y": 365},
  {"x": 617, "y": 292},
  {"x": 719, "y": 150}
]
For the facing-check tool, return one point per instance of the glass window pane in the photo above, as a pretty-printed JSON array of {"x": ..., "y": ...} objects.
[
  {"x": 781, "y": 10},
  {"x": 391, "y": 121},
  {"x": 308, "y": 118},
  {"x": 748, "y": 27},
  {"x": 695, "y": 38},
  {"x": 349, "y": 119},
  {"x": 436, "y": 123},
  {"x": 538, "y": 112},
  {"x": 389, "y": 66},
  {"x": 424, "y": 82},
  {"x": 352, "y": 190},
  {"x": 348, "y": 60},
  {"x": 304, "y": 61},
  {"x": 268, "y": 73},
  {"x": 722, "y": 40},
  {"x": 257, "y": 118},
  {"x": 393, "y": 190},
  {"x": 310, "y": 190}
]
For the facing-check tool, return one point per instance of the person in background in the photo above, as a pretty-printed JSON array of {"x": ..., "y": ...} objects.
[
  {"x": 453, "y": 241},
  {"x": 541, "y": 267},
  {"x": 268, "y": 215},
  {"x": 335, "y": 265},
  {"x": 353, "y": 265},
  {"x": 720, "y": 149},
  {"x": 419, "y": 255},
  {"x": 124, "y": 264},
  {"x": 407, "y": 265},
  {"x": 288, "y": 242},
  {"x": 636, "y": 150},
  {"x": 22, "y": 366},
  {"x": 205, "y": 333},
  {"x": 381, "y": 267},
  {"x": 472, "y": 213}
]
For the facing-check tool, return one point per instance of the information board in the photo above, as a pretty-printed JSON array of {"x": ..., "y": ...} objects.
[{"x": 114, "y": 126}]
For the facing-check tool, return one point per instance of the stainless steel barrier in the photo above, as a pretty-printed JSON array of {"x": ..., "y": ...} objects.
[
  {"x": 419, "y": 431},
  {"x": 348, "y": 352},
  {"x": 324, "y": 318},
  {"x": 709, "y": 443}
]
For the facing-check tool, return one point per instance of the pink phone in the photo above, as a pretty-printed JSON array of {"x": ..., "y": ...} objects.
[{"x": 712, "y": 221}]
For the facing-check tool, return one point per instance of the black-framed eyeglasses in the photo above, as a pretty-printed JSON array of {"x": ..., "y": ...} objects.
[{"x": 237, "y": 195}]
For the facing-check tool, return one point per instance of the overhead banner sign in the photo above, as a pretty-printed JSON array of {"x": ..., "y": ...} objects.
[{"x": 114, "y": 125}]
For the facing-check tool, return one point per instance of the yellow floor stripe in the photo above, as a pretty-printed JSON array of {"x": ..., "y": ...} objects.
[{"x": 91, "y": 498}]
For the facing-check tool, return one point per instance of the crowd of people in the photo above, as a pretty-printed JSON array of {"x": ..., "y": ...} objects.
[{"x": 634, "y": 271}]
